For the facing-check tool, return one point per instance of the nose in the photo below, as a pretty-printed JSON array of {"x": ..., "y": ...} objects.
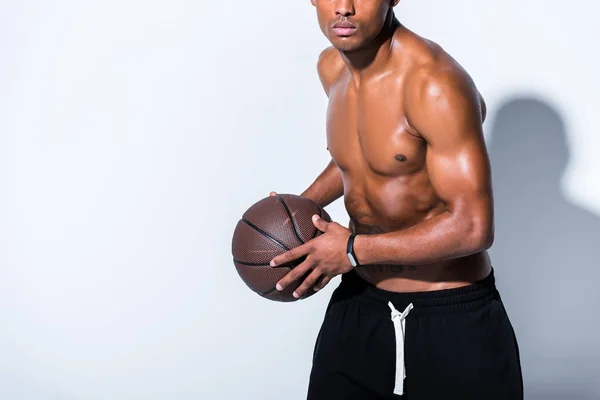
[{"x": 345, "y": 8}]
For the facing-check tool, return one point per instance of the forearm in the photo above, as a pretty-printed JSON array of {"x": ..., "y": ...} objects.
[
  {"x": 328, "y": 186},
  {"x": 443, "y": 237}
]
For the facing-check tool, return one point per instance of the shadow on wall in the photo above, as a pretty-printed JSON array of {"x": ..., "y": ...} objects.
[{"x": 546, "y": 254}]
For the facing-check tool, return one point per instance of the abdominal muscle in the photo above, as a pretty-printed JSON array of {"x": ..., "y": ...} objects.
[{"x": 393, "y": 206}]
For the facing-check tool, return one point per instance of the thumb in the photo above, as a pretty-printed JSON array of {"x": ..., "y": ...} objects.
[
  {"x": 320, "y": 223},
  {"x": 273, "y": 194}
]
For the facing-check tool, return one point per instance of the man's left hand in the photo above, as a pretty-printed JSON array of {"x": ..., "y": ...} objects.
[{"x": 325, "y": 256}]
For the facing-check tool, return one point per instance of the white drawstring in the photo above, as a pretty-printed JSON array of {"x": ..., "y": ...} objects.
[{"x": 399, "y": 320}]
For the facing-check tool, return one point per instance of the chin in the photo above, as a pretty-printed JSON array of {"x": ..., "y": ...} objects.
[{"x": 346, "y": 44}]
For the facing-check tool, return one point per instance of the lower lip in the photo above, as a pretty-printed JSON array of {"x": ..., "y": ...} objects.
[{"x": 344, "y": 31}]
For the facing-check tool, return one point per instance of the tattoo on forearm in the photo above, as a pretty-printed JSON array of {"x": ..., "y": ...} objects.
[{"x": 395, "y": 268}]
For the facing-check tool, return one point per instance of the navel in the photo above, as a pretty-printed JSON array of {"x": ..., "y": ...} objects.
[{"x": 400, "y": 157}]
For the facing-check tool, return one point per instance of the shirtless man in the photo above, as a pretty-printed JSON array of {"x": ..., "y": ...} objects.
[{"x": 417, "y": 313}]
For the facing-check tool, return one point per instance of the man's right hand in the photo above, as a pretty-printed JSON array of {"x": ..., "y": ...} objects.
[{"x": 319, "y": 284}]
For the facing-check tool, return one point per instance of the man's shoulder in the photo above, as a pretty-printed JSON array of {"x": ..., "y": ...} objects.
[
  {"x": 436, "y": 81},
  {"x": 435, "y": 71},
  {"x": 329, "y": 66},
  {"x": 436, "y": 76}
]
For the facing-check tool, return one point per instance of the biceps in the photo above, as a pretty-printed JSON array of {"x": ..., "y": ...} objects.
[{"x": 460, "y": 176}]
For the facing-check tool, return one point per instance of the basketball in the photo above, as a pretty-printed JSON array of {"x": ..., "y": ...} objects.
[{"x": 271, "y": 227}]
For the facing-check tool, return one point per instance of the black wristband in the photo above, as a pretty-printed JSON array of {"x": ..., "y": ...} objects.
[{"x": 350, "y": 251}]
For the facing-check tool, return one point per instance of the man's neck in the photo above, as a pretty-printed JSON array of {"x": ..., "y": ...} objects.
[{"x": 374, "y": 58}]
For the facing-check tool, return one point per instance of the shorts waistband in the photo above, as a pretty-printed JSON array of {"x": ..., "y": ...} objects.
[{"x": 444, "y": 301}]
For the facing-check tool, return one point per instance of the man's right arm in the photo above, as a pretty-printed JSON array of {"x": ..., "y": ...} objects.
[{"x": 328, "y": 186}]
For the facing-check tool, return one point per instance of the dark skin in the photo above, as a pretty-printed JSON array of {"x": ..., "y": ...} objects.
[{"x": 404, "y": 130}]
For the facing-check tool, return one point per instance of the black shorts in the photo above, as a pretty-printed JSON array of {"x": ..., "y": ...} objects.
[{"x": 446, "y": 344}]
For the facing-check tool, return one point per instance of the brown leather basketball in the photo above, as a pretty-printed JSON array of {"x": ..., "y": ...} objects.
[{"x": 268, "y": 228}]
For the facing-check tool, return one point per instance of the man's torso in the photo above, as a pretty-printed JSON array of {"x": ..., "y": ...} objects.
[{"x": 383, "y": 162}]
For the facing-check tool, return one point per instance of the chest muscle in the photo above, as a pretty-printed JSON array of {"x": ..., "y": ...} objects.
[{"x": 369, "y": 130}]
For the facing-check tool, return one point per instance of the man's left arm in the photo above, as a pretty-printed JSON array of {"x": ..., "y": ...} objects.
[{"x": 444, "y": 108}]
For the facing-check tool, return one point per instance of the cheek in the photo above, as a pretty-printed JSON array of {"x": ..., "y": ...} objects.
[
  {"x": 378, "y": 17},
  {"x": 321, "y": 18},
  {"x": 323, "y": 25}
]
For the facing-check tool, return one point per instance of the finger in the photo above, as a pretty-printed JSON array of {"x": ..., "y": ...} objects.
[
  {"x": 320, "y": 223},
  {"x": 319, "y": 283},
  {"x": 308, "y": 283},
  {"x": 295, "y": 274},
  {"x": 273, "y": 194},
  {"x": 322, "y": 283},
  {"x": 291, "y": 255}
]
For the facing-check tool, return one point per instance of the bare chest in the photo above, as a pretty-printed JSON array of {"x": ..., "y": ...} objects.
[{"x": 368, "y": 129}]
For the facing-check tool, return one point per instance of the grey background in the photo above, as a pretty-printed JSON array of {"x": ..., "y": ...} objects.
[{"x": 545, "y": 253}]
